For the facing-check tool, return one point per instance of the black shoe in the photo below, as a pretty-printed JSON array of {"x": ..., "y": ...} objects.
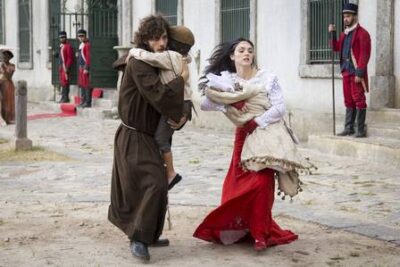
[
  {"x": 86, "y": 105},
  {"x": 140, "y": 250},
  {"x": 160, "y": 243},
  {"x": 64, "y": 95},
  {"x": 63, "y": 100},
  {"x": 346, "y": 132},
  {"x": 174, "y": 181}
]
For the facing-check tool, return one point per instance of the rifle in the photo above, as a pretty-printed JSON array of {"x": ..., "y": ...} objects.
[{"x": 333, "y": 70}]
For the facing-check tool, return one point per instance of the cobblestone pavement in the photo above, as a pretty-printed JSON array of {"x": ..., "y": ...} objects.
[{"x": 351, "y": 195}]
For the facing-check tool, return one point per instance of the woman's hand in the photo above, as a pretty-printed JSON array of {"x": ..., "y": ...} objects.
[{"x": 241, "y": 105}]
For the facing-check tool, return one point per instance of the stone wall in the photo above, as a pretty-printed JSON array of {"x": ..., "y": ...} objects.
[{"x": 397, "y": 52}]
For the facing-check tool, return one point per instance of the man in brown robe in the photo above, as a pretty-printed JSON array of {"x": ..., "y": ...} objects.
[{"x": 138, "y": 186}]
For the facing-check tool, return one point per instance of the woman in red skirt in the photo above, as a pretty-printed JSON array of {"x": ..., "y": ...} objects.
[
  {"x": 247, "y": 197},
  {"x": 7, "y": 89}
]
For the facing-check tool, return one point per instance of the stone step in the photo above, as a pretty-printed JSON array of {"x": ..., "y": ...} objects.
[
  {"x": 387, "y": 115},
  {"x": 103, "y": 103},
  {"x": 110, "y": 93},
  {"x": 98, "y": 113},
  {"x": 385, "y": 130},
  {"x": 376, "y": 149},
  {"x": 50, "y": 106}
]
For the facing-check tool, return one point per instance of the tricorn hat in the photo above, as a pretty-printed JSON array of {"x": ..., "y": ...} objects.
[
  {"x": 350, "y": 8},
  {"x": 182, "y": 34}
]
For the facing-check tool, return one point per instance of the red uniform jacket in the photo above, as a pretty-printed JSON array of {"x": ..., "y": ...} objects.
[
  {"x": 361, "y": 48},
  {"x": 84, "y": 64},
  {"x": 66, "y": 61}
]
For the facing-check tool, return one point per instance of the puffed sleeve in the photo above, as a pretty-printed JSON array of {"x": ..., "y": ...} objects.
[{"x": 278, "y": 109}]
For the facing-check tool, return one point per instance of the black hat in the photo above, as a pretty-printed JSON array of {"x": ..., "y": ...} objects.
[
  {"x": 82, "y": 32},
  {"x": 7, "y": 51},
  {"x": 350, "y": 8},
  {"x": 62, "y": 34}
]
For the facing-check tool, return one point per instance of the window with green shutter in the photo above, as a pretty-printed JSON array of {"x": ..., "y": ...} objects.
[
  {"x": 24, "y": 33},
  {"x": 320, "y": 12},
  {"x": 169, "y": 10},
  {"x": 2, "y": 23},
  {"x": 235, "y": 19}
]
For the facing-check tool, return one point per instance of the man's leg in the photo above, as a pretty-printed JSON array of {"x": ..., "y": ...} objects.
[
  {"x": 350, "y": 106},
  {"x": 358, "y": 95},
  {"x": 83, "y": 97},
  {"x": 88, "y": 97},
  {"x": 64, "y": 94}
]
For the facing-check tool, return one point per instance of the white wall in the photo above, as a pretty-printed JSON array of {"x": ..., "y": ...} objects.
[
  {"x": 309, "y": 100},
  {"x": 39, "y": 77},
  {"x": 397, "y": 51},
  {"x": 278, "y": 48},
  {"x": 140, "y": 9},
  {"x": 199, "y": 16}
]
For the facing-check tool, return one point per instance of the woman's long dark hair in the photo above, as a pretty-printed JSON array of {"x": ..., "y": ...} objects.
[{"x": 220, "y": 59}]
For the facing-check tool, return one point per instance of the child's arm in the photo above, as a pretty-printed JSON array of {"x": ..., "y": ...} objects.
[{"x": 161, "y": 60}]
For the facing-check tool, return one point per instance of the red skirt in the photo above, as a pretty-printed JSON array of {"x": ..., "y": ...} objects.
[
  {"x": 246, "y": 206},
  {"x": 83, "y": 79},
  {"x": 8, "y": 101}
]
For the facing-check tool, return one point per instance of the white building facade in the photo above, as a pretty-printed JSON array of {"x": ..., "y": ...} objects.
[{"x": 290, "y": 38}]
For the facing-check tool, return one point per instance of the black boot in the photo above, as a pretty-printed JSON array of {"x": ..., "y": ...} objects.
[
  {"x": 88, "y": 98},
  {"x": 64, "y": 95},
  {"x": 140, "y": 250},
  {"x": 83, "y": 97},
  {"x": 349, "y": 122},
  {"x": 361, "y": 127}
]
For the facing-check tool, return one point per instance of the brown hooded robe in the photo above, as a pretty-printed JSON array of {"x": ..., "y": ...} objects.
[{"x": 138, "y": 186}]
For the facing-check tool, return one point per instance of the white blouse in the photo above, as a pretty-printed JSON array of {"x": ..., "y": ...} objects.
[{"x": 274, "y": 94}]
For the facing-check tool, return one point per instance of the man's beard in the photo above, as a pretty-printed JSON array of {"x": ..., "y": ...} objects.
[{"x": 351, "y": 23}]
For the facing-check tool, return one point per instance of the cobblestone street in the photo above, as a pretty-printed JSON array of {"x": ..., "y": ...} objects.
[{"x": 54, "y": 211}]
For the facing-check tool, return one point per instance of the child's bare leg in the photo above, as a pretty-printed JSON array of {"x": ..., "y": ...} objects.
[{"x": 167, "y": 156}]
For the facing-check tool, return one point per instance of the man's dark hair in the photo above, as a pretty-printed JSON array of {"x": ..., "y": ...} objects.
[{"x": 150, "y": 28}]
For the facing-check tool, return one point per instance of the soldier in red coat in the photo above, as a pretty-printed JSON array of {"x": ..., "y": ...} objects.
[
  {"x": 66, "y": 59},
  {"x": 354, "y": 45},
  {"x": 84, "y": 68}
]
